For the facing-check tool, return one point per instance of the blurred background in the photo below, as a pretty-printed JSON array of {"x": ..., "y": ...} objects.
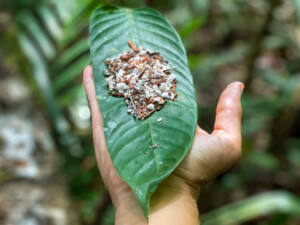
[{"x": 48, "y": 173}]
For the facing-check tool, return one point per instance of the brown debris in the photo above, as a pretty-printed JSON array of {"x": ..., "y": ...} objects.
[{"x": 143, "y": 78}]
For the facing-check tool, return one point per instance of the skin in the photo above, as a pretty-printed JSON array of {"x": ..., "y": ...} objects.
[{"x": 174, "y": 202}]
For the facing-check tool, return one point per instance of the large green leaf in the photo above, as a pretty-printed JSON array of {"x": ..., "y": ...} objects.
[{"x": 130, "y": 140}]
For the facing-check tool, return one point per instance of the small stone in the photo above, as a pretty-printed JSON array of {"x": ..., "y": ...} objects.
[
  {"x": 106, "y": 72},
  {"x": 121, "y": 86},
  {"x": 107, "y": 61},
  {"x": 155, "y": 146},
  {"x": 159, "y": 119},
  {"x": 151, "y": 106}
]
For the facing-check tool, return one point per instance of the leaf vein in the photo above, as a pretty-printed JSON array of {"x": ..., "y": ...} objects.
[{"x": 153, "y": 146}]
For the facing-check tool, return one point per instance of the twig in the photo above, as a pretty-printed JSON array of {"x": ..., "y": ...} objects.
[
  {"x": 131, "y": 45},
  {"x": 255, "y": 46}
]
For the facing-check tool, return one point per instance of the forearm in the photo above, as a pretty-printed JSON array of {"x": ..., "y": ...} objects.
[{"x": 174, "y": 203}]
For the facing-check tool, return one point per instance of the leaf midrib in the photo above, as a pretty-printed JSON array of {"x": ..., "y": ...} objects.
[
  {"x": 131, "y": 25},
  {"x": 134, "y": 38},
  {"x": 154, "y": 150}
]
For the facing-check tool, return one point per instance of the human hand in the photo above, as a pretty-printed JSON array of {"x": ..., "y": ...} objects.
[
  {"x": 127, "y": 207},
  {"x": 175, "y": 201},
  {"x": 210, "y": 155}
]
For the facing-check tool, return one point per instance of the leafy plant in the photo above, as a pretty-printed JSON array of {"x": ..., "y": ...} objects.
[
  {"x": 218, "y": 36},
  {"x": 143, "y": 151},
  {"x": 253, "y": 207}
]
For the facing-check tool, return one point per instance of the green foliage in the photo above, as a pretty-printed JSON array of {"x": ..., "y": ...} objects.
[
  {"x": 297, "y": 9},
  {"x": 130, "y": 141},
  {"x": 259, "y": 205},
  {"x": 220, "y": 38}
]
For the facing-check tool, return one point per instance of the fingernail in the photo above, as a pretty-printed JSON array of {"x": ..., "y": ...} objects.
[{"x": 239, "y": 85}]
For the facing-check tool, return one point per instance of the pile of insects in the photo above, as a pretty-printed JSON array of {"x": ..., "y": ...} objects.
[{"x": 143, "y": 78}]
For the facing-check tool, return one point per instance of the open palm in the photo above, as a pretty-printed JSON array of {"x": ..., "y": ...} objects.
[{"x": 210, "y": 155}]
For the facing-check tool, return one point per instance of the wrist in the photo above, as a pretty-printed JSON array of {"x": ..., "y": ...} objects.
[
  {"x": 177, "y": 186},
  {"x": 174, "y": 202}
]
